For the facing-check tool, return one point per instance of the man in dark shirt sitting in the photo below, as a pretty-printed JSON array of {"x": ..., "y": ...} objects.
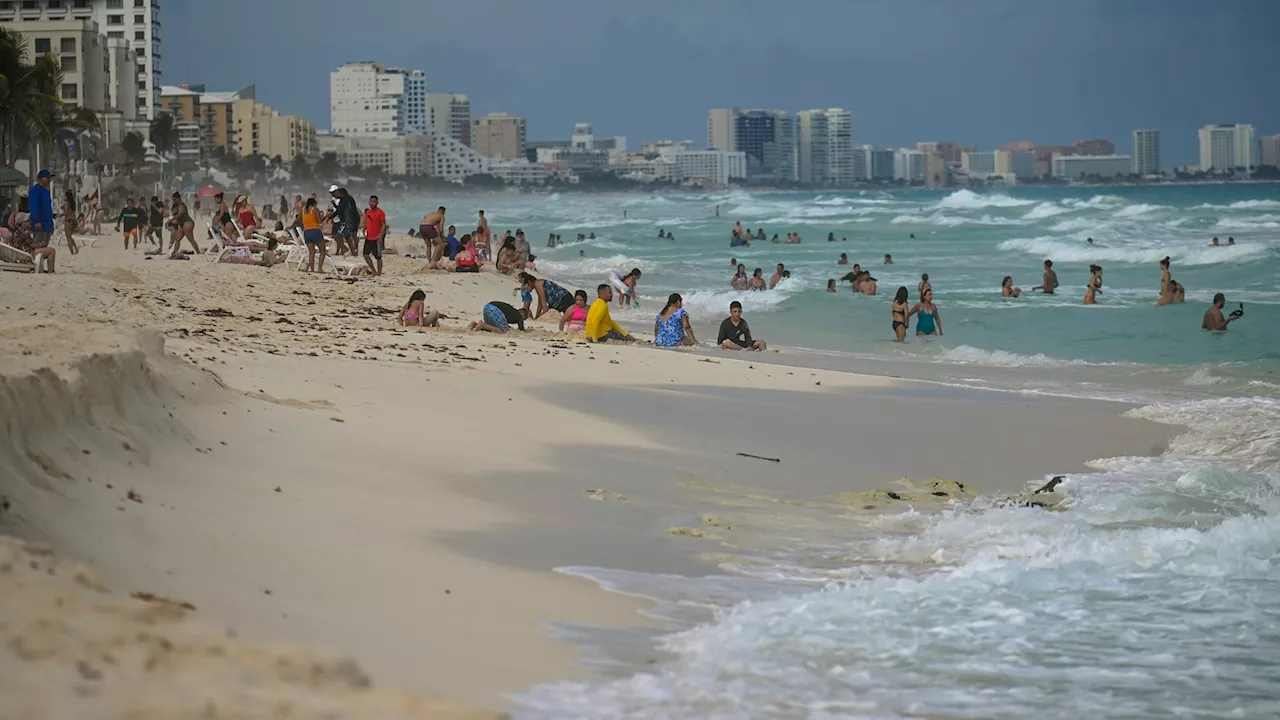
[{"x": 734, "y": 333}]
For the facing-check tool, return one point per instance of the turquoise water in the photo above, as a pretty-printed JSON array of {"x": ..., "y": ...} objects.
[
  {"x": 1155, "y": 594},
  {"x": 966, "y": 242}
]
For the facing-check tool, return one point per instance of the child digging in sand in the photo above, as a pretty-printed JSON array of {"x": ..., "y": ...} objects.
[{"x": 415, "y": 313}]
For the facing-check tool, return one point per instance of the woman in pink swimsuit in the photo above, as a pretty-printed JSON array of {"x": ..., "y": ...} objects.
[{"x": 575, "y": 318}]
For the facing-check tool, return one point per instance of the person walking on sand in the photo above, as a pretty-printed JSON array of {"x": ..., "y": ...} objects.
[
  {"x": 374, "y": 222},
  {"x": 1049, "y": 283},
  {"x": 346, "y": 220},
  {"x": 898, "y": 311},
  {"x": 671, "y": 327},
  {"x": 735, "y": 334},
  {"x": 69, "y": 220},
  {"x": 312, "y": 235},
  {"x": 183, "y": 225},
  {"x": 156, "y": 224},
  {"x": 432, "y": 233},
  {"x": 928, "y": 319},
  {"x": 1213, "y": 318},
  {"x": 131, "y": 218}
]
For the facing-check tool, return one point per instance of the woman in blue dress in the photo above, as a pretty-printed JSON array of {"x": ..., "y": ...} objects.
[{"x": 671, "y": 327}]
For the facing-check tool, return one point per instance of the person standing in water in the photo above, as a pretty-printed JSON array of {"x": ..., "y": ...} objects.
[
  {"x": 1213, "y": 318},
  {"x": 1095, "y": 285},
  {"x": 1050, "y": 281},
  {"x": 898, "y": 311},
  {"x": 928, "y": 319},
  {"x": 1165, "y": 275},
  {"x": 923, "y": 284}
]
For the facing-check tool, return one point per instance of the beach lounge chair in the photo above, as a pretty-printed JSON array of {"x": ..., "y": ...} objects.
[
  {"x": 218, "y": 248},
  {"x": 297, "y": 251},
  {"x": 14, "y": 260}
]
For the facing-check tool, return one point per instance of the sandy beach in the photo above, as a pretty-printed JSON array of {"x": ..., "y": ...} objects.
[{"x": 332, "y": 516}]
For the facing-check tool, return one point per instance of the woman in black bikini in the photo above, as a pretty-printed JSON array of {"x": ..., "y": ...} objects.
[
  {"x": 182, "y": 226},
  {"x": 900, "y": 314}
]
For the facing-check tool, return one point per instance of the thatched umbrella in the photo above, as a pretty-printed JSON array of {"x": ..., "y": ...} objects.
[{"x": 11, "y": 178}]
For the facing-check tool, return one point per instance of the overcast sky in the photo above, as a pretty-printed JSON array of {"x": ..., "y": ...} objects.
[{"x": 979, "y": 72}]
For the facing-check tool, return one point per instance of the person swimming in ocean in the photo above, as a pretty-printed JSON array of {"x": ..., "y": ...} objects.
[
  {"x": 1049, "y": 283},
  {"x": 888, "y": 259},
  {"x": 844, "y": 259},
  {"x": 757, "y": 280},
  {"x": 740, "y": 279},
  {"x": 1007, "y": 289},
  {"x": 831, "y": 285},
  {"x": 1214, "y": 243}
]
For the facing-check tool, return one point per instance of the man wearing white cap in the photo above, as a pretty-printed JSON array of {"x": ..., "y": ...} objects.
[{"x": 346, "y": 220}]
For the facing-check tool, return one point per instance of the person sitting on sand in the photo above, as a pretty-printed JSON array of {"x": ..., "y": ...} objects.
[
  {"x": 22, "y": 239},
  {"x": 757, "y": 280},
  {"x": 625, "y": 286},
  {"x": 507, "y": 257},
  {"x": 465, "y": 260},
  {"x": 740, "y": 280},
  {"x": 844, "y": 259},
  {"x": 1213, "y": 319},
  {"x": 415, "y": 313},
  {"x": 550, "y": 295},
  {"x": 1049, "y": 283},
  {"x": 735, "y": 334},
  {"x": 831, "y": 285},
  {"x": 898, "y": 311},
  {"x": 777, "y": 276},
  {"x": 1007, "y": 289},
  {"x": 498, "y": 317},
  {"x": 671, "y": 327},
  {"x": 576, "y": 319},
  {"x": 600, "y": 325},
  {"x": 928, "y": 319}
]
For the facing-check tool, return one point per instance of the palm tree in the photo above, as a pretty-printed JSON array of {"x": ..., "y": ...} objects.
[
  {"x": 28, "y": 96},
  {"x": 164, "y": 133},
  {"x": 135, "y": 148}
]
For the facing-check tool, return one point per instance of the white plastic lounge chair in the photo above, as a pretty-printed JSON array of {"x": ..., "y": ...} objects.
[
  {"x": 297, "y": 251},
  {"x": 219, "y": 247},
  {"x": 15, "y": 260}
]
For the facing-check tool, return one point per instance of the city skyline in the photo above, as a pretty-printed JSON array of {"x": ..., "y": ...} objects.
[{"x": 651, "y": 72}]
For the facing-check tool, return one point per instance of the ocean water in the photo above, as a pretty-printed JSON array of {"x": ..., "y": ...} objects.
[{"x": 1156, "y": 593}]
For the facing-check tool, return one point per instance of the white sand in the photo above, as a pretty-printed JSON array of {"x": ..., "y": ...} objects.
[{"x": 303, "y": 471}]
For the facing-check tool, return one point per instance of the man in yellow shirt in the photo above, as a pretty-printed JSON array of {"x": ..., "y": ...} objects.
[{"x": 600, "y": 324}]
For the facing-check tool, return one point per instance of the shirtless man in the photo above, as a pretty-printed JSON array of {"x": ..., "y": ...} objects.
[
  {"x": 482, "y": 231},
  {"x": 1213, "y": 318},
  {"x": 432, "y": 232},
  {"x": 777, "y": 277},
  {"x": 1050, "y": 281}
]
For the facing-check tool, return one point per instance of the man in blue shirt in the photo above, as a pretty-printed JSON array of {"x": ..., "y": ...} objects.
[
  {"x": 452, "y": 245},
  {"x": 41, "y": 206}
]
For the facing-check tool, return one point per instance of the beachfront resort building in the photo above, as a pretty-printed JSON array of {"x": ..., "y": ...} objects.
[
  {"x": 1270, "y": 155},
  {"x": 978, "y": 163},
  {"x": 80, "y": 50},
  {"x": 367, "y": 99},
  {"x": 403, "y": 155},
  {"x": 715, "y": 167},
  {"x": 1021, "y": 164},
  {"x": 135, "y": 22},
  {"x": 768, "y": 137},
  {"x": 449, "y": 113},
  {"x": 1080, "y": 167},
  {"x": 825, "y": 147},
  {"x": 238, "y": 123},
  {"x": 499, "y": 135},
  {"x": 1146, "y": 152},
  {"x": 1226, "y": 147}
]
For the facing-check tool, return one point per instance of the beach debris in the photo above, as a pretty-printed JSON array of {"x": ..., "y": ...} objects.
[
  {"x": 713, "y": 521},
  {"x": 133, "y": 495},
  {"x": 278, "y": 489},
  {"x": 688, "y": 532},
  {"x": 759, "y": 457},
  {"x": 1049, "y": 486},
  {"x": 4, "y": 504},
  {"x": 603, "y": 494},
  {"x": 217, "y": 312},
  {"x": 161, "y": 600},
  {"x": 709, "y": 360},
  {"x": 337, "y": 419}
]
